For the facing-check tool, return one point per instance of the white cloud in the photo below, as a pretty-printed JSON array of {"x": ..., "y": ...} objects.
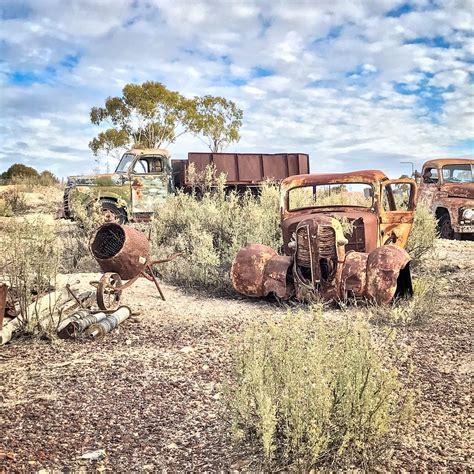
[{"x": 311, "y": 77}]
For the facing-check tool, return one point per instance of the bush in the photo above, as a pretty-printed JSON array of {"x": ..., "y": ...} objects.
[
  {"x": 423, "y": 234},
  {"x": 415, "y": 310},
  {"x": 13, "y": 202},
  {"x": 309, "y": 395},
  {"x": 209, "y": 226},
  {"x": 75, "y": 240},
  {"x": 29, "y": 265}
]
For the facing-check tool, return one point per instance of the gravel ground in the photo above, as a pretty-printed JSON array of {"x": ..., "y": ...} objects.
[{"x": 149, "y": 394}]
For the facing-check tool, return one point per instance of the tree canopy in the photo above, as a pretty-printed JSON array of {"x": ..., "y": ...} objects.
[
  {"x": 152, "y": 116},
  {"x": 20, "y": 170},
  {"x": 218, "y": 120}
]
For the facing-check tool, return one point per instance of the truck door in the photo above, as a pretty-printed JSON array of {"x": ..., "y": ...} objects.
[
  {"x": 397, "y": 208},
  {"x": 149, "y": 183}
]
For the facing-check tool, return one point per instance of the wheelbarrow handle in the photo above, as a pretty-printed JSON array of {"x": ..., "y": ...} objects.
[{"x": 169, "y": 259}]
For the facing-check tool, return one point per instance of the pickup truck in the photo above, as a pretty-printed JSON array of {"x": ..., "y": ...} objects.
[
  {"x": 145, "y": 177},
  {"x": 447, "y": 187}
]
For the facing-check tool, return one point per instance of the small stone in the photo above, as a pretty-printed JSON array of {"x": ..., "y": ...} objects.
[
  {"x": 186, "y": 349},
  {"x": 172, "y": 446}
]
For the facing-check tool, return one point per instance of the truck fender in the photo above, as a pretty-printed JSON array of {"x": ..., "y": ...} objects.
[
  {"x": 258, "y": 270},
  {"x": 388, "y": 274}
]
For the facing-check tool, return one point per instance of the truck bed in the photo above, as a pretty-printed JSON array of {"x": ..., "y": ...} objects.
[{"x": 244, "y": 169}]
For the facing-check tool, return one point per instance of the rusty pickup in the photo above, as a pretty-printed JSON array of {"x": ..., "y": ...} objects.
[
  {"x": 343, "y": 237},
  {"x": 447, "y": 187}
]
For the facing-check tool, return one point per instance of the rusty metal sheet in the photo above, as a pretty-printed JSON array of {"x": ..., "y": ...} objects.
[
  {"x": 248, "y": 269},
  {"x": 439, "y": 162},
  {"x": 252, "y": 168},
  {"x": 276, "y": 277},
  {"x": 353, "y": 280},
  {"x": 384, "y": 267},
  {"x": 121, "y": 249}
]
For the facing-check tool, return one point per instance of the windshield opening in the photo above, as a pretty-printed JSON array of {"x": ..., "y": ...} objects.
[
  {"x": 125, "y": 163},
  {"x": 335, "y": 194},
  {"x": 458, "y": 173}
]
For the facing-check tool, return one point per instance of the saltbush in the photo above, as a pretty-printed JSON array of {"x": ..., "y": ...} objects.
[
  {"x": 423, "y": 234},
  {"x": 209, "y": 225},
  {"x": 29, "y": 264},
  {"x": 310, "y": 395}
]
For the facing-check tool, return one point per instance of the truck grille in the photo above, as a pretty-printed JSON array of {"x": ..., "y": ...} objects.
[
  {"x": 326, "y": 242},
  {"x": 303, "y": 254}
]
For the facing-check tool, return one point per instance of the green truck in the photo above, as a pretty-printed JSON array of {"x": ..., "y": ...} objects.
[{"x": 145, "y": 177}]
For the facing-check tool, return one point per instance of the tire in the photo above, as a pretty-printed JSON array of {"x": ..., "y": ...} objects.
[
  {"x": 444, "y": 227},
  {"x": 112, "y": 212}
]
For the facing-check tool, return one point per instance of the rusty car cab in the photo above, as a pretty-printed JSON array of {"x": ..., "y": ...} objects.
[{"x": 343, "y": 236}]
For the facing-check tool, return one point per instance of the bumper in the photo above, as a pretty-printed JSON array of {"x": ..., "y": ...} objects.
[{"x": 464, "y": 229}]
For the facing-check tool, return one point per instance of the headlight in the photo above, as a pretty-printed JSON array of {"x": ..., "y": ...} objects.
[{"x": 468, "y": 214}]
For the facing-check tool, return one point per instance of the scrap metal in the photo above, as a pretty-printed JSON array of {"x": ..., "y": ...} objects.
[
  {"x": 123, "y": 253},
  {"x": 109, "y": 322},
  {"x": 320, "y": 261},
  {"x": 451, "y": 202}
]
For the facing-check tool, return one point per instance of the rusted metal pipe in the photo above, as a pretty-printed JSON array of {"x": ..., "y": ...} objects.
[
  {"x": 110, "y": 322},
  {"x": 77, "y": 326}
]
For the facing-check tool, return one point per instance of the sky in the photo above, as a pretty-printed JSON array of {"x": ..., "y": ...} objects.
[{"x": 355, "y": 84}]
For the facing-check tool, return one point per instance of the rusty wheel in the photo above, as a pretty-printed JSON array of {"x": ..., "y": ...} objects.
[
  {"x": 112, "y": 212},
  {"x": 108, "y": 291},
  {"x": 444, "y": 227}
]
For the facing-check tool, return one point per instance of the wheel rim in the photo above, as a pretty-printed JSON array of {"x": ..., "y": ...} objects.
[{"x": 109, "y": 292}]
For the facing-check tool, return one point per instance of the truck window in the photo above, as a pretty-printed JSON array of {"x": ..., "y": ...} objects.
[
  {"x": 396, "y": 197},
  {"x": 125, "y": 163},
  {"x": 457, "y": 173},
  {"x": 336, "y": 194},
  {"x": 148, "y": 165},
  {"x": 430, "y": 175}
]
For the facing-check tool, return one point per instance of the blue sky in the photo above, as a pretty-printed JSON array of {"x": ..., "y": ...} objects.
[{"x": 356, "y": 84}]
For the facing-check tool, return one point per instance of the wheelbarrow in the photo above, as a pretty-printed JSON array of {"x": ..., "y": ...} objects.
[{"x": 123, "y": 253}]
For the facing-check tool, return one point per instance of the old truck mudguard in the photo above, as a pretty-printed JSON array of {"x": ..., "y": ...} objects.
[{"x": 258, "y": 270}]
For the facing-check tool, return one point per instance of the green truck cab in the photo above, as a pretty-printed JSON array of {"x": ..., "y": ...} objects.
[{"x": 143, "y": 179}]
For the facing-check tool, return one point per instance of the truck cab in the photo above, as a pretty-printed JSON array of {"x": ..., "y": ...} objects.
[
  {"x": 447, "y": 188},
  {"x": 141, "y": 180}
]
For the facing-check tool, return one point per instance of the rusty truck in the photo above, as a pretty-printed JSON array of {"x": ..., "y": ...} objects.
[
  {"x": 343, "y": 237},
  {"x": 446, "y": 186},
  {"x": 145, "y": 177}
]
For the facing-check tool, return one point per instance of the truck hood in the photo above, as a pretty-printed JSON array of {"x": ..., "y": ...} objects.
[
  {"x": 93, "y": 179},
  {"x": 461, "y": 190}
]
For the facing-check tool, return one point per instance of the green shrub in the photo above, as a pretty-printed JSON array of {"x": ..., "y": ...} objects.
[
  {"x": 209, "y": 226},
  {"x": 423, "y": 234},
  {"x": 311, "y": 395}
]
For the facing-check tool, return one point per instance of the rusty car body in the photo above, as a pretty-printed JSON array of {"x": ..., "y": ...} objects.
[
  {"x": 322, "y": 260},
  {"x": 145, "y": 177},
  {"x": 447, "y": 187}
]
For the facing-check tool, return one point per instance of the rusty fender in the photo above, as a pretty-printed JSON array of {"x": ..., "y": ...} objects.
[
  {"x": 258, "y": 270},
  {"x": 380, "y": 276}
]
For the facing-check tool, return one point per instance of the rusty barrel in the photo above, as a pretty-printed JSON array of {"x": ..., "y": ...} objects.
[{"x": 121, "y": 249}]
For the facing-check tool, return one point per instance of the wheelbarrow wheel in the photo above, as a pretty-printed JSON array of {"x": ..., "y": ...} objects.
[{"x": 109, "y": 292}]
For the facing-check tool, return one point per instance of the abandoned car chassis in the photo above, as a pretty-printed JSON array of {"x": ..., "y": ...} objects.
[{"x": 319, "y": 261}]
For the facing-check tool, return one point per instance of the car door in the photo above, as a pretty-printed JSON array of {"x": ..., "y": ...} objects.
[
  {"x": 396, "y": 210},
  {"x": 149, "y": 183}
]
